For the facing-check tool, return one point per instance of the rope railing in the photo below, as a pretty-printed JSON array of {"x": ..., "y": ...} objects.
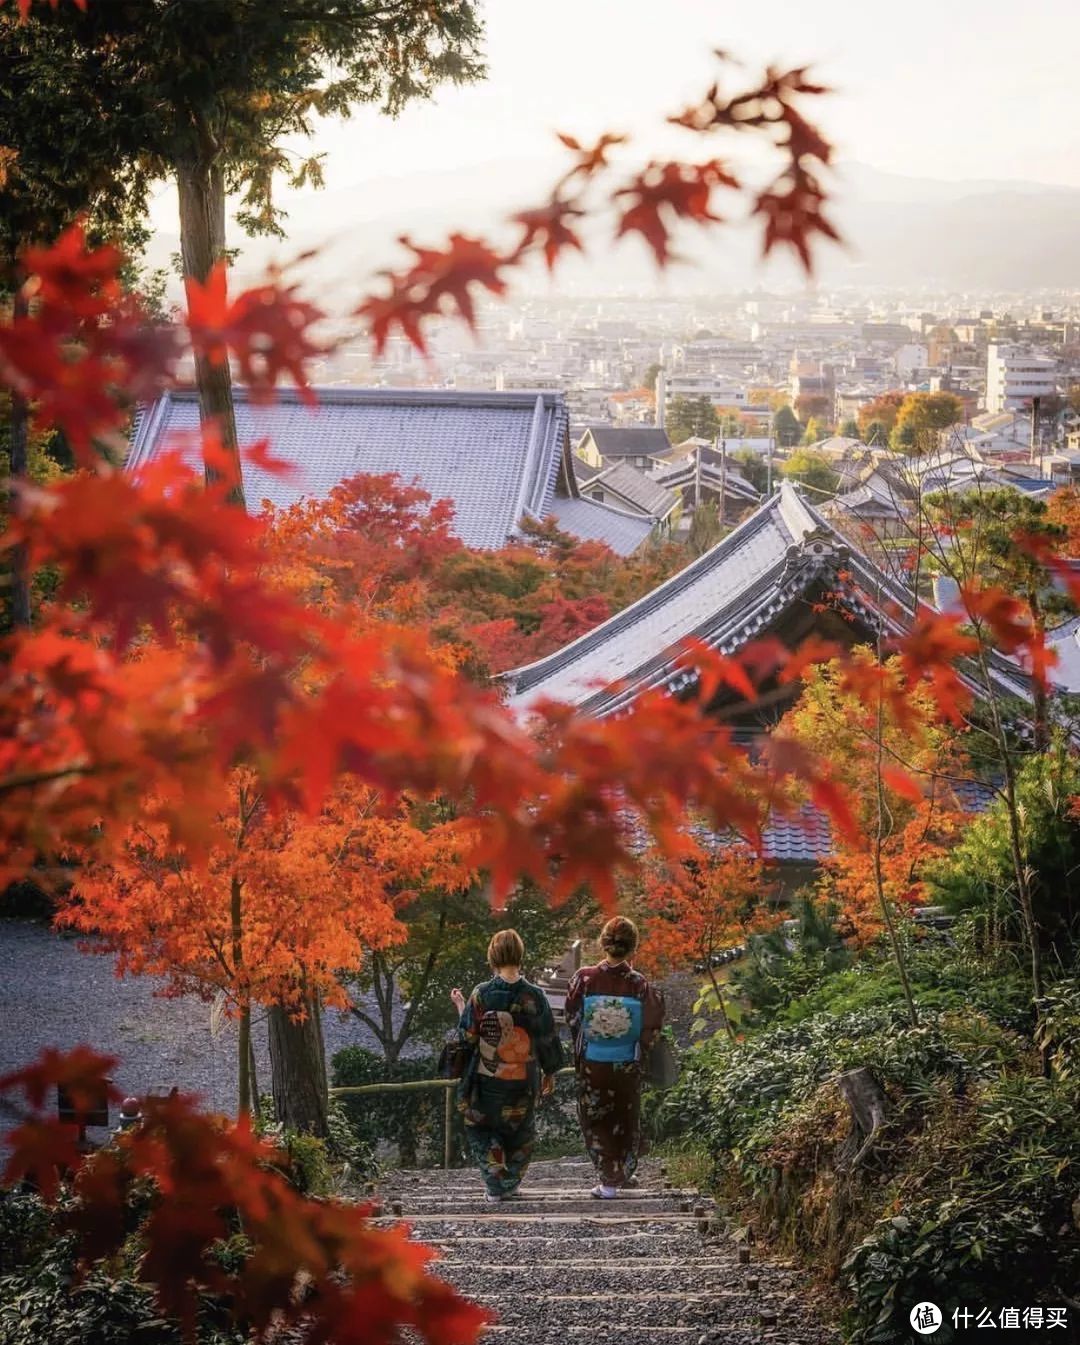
[{"x": 416, "y": 1085}]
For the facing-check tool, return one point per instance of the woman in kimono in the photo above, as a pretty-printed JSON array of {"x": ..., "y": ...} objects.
[
  {"x": 515, "y": 1053},
  {"x": 615, "y": 1016}
]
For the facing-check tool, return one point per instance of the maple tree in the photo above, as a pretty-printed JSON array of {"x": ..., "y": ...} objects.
[
  {"x": 1063, "y": 511},
  {"x": 262, "y": 678},
  {"x": 919, "y": 766},
  {"x": 715, "y": 899},
  {"x": 279, "y": 905},
  {"x": 882, "y": 411}
]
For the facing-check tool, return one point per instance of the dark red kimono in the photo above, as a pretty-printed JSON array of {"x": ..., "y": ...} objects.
[{"x": 615, "y": 1016}]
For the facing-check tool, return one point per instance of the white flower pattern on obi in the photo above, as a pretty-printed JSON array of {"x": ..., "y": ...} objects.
[{"x": 609, "y": 1018}]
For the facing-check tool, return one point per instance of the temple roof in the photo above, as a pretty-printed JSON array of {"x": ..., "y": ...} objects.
[
  {"x": 734, "y": 593},
  {"x": 500, "y": 457}
]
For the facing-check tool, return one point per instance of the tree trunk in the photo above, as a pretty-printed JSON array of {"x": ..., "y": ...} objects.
[
  {"x": 19, "y": 467},
  {"x": 202, "y": 244},
  {"x": 869, "y": 1106},
  {"x": 729, "y": 1027},
  {"x": 298, "y": 1069},
  {"x": 243, "y": 1062}
]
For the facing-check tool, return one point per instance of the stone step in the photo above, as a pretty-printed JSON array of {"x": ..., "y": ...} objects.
[
  {"x": 601, "y": 1247},
  {"x": 502, "y": 1284},
  {"x": 569, "y": 1225},
  {"x": 557, "y": 1312},
  {"x": 540, "y": 1206},
  {"x": 606, "y": 1332}
]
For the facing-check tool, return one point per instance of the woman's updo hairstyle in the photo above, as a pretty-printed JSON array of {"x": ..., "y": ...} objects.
[{"x": 619, "y": 938}]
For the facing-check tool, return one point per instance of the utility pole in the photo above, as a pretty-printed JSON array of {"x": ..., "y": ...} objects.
[
  {"x": 697, "y": 475},
  {"x": 723, "y": 479},
  {"x": 768, "y": 468},
  {"x": 1035, "y": 432}
]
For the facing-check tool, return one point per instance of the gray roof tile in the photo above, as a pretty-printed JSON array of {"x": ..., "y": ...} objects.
[
  {"x": 495, "y": 455},
  {"x": 591, "y": 521},
  {"x": 629, "y": 441},
  {"x": 638, "y": 490},
  {"x": 727, "y": 597}
]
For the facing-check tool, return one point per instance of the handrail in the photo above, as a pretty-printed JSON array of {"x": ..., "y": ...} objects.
[{"x": 412, "y": 1085}]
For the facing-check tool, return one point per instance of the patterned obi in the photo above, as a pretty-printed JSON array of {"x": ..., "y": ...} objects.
[{"x": 611, "y": 1025}]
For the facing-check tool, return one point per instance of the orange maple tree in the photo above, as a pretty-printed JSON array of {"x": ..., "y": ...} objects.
[
  {"x": 713, "y": 901},
  {"x": 903, "y": 774},
  {"x": 276, "y": 907}
]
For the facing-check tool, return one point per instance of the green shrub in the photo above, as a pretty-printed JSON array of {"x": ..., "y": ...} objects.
[
  {"x": 1059, "y": 1027},
  {"x": 995, "y": 1225},
  {"x": 783, "y": 966},
  {"x": 413, "y": 1120},
  {"x": 44, "y": 1301},
  {"x": 978, "y": 875}
]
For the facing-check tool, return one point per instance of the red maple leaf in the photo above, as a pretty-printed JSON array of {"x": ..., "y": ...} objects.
[
  {"x": 792, "y": 211},
  {"x": 665, "y": 192},
  {"x": 548, "y": 227},
  {"x": 266, "y": 328},
  {"x": 591, "y": 159},
  {"x": 439, "y": 281}
]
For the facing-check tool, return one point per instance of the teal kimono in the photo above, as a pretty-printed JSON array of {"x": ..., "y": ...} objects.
[{"x": 514, "y": 1041}]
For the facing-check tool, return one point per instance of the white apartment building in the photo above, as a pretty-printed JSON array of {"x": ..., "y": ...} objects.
[
  {"x": 719, "y": 391},
  {"x": 1014, "y": 376}
]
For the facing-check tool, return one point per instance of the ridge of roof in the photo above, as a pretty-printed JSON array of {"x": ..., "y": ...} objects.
[{"x": 521, "y": 679}]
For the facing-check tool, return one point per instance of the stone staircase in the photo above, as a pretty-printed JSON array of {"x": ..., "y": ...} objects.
[{"x": 652, "y": 1266}]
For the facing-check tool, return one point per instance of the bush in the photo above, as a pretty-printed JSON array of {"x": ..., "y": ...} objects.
[
  {"x": 413, "y": 1121},
  {"x": 969, "y": 1194},
  {"x": 45, "y": 1301},
  {"x": 978, "y": 876},
  {"x": 314, "y": 1165},
  {"x": 996, "y": 1225}
]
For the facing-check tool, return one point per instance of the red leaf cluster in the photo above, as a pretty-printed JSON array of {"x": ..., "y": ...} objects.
[
  {"x": 664, "y": 193},
  {"x": 76, "y": 348},
  {"x": 321, "y": 1267},
  {"x": 265, "y": 328},
  {"x": 438, "y": 281}
]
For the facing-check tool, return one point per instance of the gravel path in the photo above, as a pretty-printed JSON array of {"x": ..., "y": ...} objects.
[
  {"x": 557, "y": 1266},
  {"x": 53, "y": 994}
]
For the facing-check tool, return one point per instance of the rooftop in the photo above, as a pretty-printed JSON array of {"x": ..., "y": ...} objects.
[
  {"x": 731, "y": 595},
  {"x": 630, "y": 441},
  {"x": 502, "y": 458}
]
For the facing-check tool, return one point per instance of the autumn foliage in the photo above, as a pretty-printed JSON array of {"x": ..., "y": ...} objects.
[
  {"x": 901, "y": 769},
  {"x": 201, "y": 679},
  {"x": 322, "y": 1266}
]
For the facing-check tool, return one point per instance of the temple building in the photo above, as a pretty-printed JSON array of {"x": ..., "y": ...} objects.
[
  {"x": 502, "y": 458},
  {"x": 786, "y": 572}
]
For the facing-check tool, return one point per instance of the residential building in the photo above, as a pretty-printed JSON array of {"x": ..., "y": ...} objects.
[
  {"x": 1015, "y": 376},
  {"x": 638, "y": 445}
]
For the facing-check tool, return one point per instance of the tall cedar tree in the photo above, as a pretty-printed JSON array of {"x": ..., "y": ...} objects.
[
  {"x": 205, "y": 94},
  {"x": 60, "y": 158}
]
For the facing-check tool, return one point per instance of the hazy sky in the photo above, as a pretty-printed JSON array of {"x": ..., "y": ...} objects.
[
  {"x": 939, "y": 88},
  {"x": 935, "y": 88}
]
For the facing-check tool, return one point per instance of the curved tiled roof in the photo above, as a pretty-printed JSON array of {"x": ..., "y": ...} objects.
[
  {"x": 729, "y": 596},
  {"x": 498, "y": 456}
]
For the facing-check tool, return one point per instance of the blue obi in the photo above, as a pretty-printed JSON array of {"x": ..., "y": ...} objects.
[{"x": 611, "y": 1025}]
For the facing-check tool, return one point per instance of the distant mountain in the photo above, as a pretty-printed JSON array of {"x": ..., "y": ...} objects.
[
  {"x": 902, "y": 232},
  {"x": 984, "y": 235}
]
